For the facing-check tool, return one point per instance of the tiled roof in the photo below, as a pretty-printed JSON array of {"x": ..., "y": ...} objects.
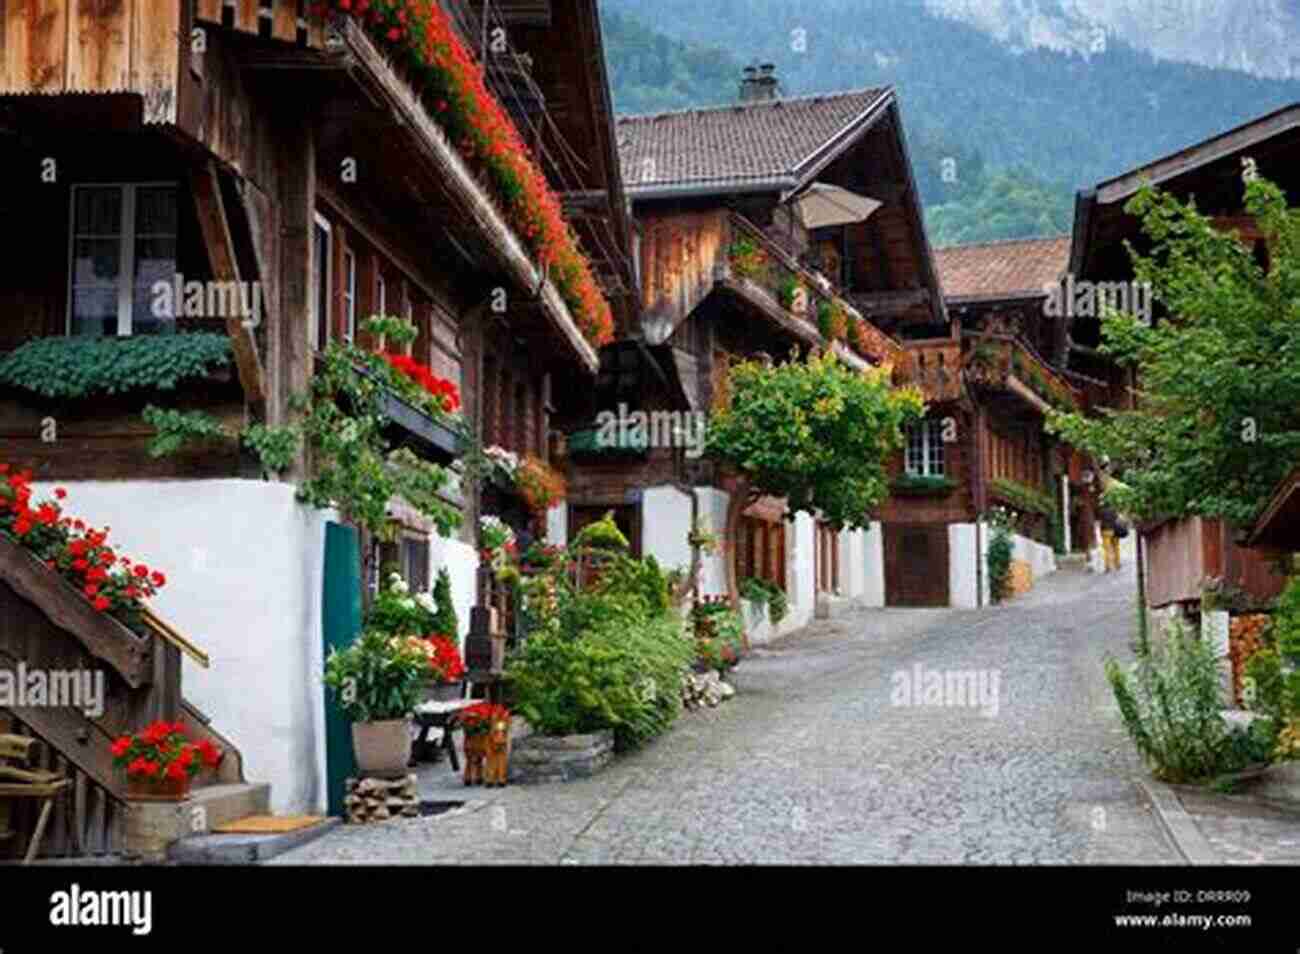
[
  {"x": 750, "y": 141},
  {"x": 1019, "y": 268}
]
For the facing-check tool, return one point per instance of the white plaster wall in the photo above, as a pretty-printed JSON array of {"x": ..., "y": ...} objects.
[
  {"x": 245, "y": 565},
  {"x": 963, "y": 578},
  {"x": 873, "y": 584},
  {"x": 801, "y": 571},
  {"x": 852, "y": 563},
  {"x": 557, "y": 525},
  {"x": 461, "y": 561},
  {"x": 1040, "y": 557},
  {"x": 665, "y": 525}
]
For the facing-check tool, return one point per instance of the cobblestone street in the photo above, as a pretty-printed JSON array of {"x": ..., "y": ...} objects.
[{"x": 813, "y": 763}]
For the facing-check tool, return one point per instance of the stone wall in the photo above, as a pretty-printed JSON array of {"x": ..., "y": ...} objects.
[{"x": 540, "y": 758}]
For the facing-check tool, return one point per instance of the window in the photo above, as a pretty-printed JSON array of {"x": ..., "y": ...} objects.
[
  {"x": 407, "y": 556},
  {"x": 349, "y": 295},
  {"x": 123, "y": 244},
  {"x": 320, "y": 325},
  {"x": 925, "y": 449},
  {"x": 760, "y": 550}
]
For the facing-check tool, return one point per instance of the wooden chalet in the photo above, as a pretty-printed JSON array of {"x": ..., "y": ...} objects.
[
  {"x": 988, "y": 387},
  {"x": 224, "y": 141},
  {"x": 729, "y": 269},
  {"x": 1181, "y": 554}
]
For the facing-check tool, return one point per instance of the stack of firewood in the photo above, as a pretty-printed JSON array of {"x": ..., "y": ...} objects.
[{"x": 379, "y": 799}]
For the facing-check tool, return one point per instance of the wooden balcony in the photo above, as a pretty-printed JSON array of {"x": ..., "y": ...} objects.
[
  {"x": 761, "y": 271},
  {"x": 945, "y": 367}
]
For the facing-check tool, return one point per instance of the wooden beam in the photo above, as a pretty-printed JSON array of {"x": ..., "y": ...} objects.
[
  {"x": 215, "y": 228},
  {"x": 889, "y": 303}
]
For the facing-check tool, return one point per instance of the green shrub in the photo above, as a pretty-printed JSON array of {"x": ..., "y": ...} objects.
[
  {"x": 444, "y": 618},
  {"x": 79, "y": 366},
  {"x": 998, "y": 559},
  {"x": 1171, "y": 707},
  {"x": 765, "y": 593},
  {"x": 613, "y": 675},
  {"x": 1286, "y": 622}
]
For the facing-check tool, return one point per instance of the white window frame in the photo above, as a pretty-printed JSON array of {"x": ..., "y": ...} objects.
[
  {"x": 321, "y": 310},
  {"x": 127, "y": 238},
  {"x": 929, "y": 431},
  {"x": 350, "y": 295}
]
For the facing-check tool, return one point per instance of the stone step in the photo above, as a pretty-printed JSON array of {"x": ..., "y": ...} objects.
[
  {"x": 151, "y": 828},
  {"x": 227, "y": 803},
  {"x": 245, "y": 849}
]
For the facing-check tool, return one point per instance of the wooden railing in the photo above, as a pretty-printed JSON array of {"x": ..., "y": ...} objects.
[
  {"x": 935, "y": 366},
  {"x": 754, "y": 257},
  {"x": 1005, "y": 362}
]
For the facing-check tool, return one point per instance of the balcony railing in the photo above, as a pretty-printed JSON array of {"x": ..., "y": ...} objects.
[
  {"x": 940, "y": 367},
  {"x": 808, "y": 297}
]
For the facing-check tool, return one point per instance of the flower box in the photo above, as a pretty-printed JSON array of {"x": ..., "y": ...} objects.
[
  {"x": 429, "y": 437},
  {"x": 157, "y": 789}
]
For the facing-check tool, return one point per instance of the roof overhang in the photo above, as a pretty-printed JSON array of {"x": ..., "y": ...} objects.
[
  {"x": 371, "y": 70},
  {"x": 1279, "y": 523},
  {"x": 706, "y": 187}
]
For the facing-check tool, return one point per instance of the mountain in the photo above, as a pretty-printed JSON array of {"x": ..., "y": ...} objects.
[
  {"x": 995, "y": 101},
  {"x": 1254, "y": 36}
]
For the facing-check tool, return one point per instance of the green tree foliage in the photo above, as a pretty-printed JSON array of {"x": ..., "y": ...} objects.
[
  {"x": 1217, "y": 421},
  {"x": 445, "y": 619},
  {"x": 814, "y": 432}
]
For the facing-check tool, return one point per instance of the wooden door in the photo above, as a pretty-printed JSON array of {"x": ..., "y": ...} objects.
[{"x": 916, "y": 564}]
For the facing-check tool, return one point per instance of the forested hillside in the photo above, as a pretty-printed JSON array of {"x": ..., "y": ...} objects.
[{"x": 1000, "y": 136}]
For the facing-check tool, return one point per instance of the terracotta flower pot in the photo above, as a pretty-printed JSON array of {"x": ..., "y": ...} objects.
[
  {"x": 383, "y": 749},
  {"x": 141, "y": 788}
]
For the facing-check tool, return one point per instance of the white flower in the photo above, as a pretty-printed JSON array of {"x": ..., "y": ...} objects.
[
  {"x": 397, "y": 584},
  {"x": 408, "y": 603},
  {"x": 426, "y": 602}
]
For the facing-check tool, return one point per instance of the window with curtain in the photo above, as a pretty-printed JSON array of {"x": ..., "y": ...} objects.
[{"x": 123, "y": 245}]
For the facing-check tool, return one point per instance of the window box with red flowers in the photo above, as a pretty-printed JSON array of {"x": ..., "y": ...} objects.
[
  {"x": 80, "y": 554},
  {"x": 424, "y": 44},
  {"x": 161, "y": 761}
]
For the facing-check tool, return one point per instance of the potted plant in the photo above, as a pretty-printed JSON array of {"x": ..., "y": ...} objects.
[
  {"x": 487, "y": 743},
  {"x": 446, "y": 669},
  {"x": 161, "y": 761},
  {"x": 378, "y": 681}
]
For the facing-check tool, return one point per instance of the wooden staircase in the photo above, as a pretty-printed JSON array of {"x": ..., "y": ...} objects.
[{"x": 46, "y": 625}]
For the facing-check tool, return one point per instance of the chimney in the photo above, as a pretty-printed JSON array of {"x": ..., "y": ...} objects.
[{"x": 759, "y": 83}]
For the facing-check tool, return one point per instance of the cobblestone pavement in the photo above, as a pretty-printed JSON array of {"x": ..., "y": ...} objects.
[
  {"x": 813, "y": 763},
  {"x": 1242, "y": 832}
]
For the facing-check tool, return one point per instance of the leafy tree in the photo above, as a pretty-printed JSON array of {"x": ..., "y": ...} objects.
[
  {"x": 815, "y": 432},
  {"x": 1217, "y": 416}
]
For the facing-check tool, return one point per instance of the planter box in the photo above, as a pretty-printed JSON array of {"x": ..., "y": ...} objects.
[
  {"x": 431, "y": 438},
  {"x": 542, "y": 758}
]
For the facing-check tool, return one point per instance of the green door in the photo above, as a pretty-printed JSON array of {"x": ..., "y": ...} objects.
[{"x": 341, "y": 623}]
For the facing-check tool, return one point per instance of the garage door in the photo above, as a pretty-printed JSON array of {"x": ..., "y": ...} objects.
[{"x": 916, "y": 564}]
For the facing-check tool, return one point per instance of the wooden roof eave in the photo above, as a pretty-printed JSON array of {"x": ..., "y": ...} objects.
[
  {"x": 1283, "y": 504},
  {"x": 372, "y": 71}
]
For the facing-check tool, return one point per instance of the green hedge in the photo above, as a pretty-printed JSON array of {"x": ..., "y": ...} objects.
[{"x": 80, "y": 367}]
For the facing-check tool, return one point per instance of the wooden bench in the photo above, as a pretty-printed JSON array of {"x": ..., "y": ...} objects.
[{"x": 16, "y": 783}]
